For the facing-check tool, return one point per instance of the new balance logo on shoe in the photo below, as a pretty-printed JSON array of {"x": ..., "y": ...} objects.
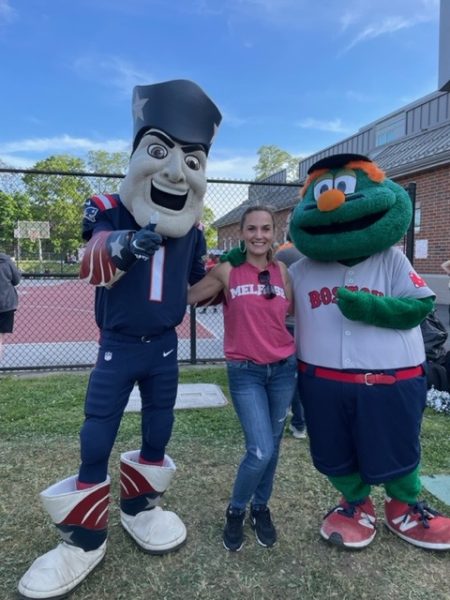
[
  {"x": 350, "y": 524},
  {"x": 418, "y": 524},
  {"x": 405, "y": 522}
]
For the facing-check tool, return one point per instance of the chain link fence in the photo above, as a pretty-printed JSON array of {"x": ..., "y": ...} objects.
[{"x": 54, "y": 324}]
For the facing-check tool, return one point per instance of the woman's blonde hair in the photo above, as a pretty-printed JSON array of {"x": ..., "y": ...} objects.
[{"x": 257, "y": 208}]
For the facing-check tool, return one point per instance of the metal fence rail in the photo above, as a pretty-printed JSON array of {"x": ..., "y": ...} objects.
[
  {"x": 55, "y": 327},
  {"x": 54, "y": 324}
]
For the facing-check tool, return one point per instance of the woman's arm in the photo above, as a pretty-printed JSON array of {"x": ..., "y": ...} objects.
[
  {"x": 211, "y": 284},
  {"x": 286, "y": 284}
]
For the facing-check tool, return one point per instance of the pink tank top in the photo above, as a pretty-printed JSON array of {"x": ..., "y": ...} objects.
[{"x": 255, "y": 327}]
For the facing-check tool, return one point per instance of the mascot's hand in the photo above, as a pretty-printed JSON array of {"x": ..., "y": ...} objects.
[
  {"x": 234, "y": 256},
  {"x": 383, "y": 311},
  {"x": 145, "y": 242},
  {"x": 354, "y": 305}
]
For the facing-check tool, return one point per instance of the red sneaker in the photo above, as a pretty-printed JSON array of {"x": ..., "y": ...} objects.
[
  {"x": 350, "y": 524},
  {"x": 418, "y": 524}
]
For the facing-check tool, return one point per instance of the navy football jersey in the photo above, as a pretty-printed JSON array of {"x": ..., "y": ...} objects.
[{"x": 151, "y": 297}]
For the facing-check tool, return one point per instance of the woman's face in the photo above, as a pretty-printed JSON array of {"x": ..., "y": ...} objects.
[{"x": 258, "y": 232}]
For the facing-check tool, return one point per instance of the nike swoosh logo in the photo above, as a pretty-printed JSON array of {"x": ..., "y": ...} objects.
[{"x": 167, "y": 353}]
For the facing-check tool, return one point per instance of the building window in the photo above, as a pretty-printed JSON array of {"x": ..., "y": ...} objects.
[
  {"x": 417, "y": 217},
  {"x": 390, "y": 130}
]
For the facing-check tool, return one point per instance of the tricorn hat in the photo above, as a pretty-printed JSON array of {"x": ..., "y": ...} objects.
[
  {"x": 335, "y": 161},
  {"x": 180, "y": 108}
]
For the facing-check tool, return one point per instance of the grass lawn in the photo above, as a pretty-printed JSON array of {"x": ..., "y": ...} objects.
[{"x": 39, "y": 422}]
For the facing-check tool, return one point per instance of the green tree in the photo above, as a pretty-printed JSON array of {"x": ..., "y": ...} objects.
[
  {"x": 210, "y": 231},
  {"x": 13, "y": 207},
  {"x": 107, "y": 163},
  {"x": 273, "y": 159},
  {"x": 59, "y": 199}
]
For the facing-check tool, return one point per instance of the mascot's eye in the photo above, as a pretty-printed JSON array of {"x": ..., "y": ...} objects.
[
  {"x": 157, "y": 151},
  {"x": 192, "y": 162},
  {"x": 345, "y": 183},
  {"x": 321, "y": 186}
]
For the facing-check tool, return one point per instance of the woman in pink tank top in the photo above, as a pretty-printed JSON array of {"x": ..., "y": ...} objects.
[{"x": 261, "y": 366}]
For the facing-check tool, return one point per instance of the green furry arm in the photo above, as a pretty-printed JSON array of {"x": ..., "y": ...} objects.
[
  {"x": 234, "y": 256},
  {"x": 384, "y": 311}
]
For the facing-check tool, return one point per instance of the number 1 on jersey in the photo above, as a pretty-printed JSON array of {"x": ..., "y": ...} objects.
[{"x": 157, "y": 275}]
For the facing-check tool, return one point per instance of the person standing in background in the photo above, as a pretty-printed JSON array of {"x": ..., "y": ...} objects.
[
  {"x": 9, "y": 300},
  {"x": 446, "y": 267},
  {"x": 288, "y": 254}
]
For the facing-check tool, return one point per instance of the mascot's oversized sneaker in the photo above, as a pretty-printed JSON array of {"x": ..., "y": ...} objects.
[
  {"x": 155, "y": 530},
  {"x": 81, "y": 517},
  {"x": 350, "y": 524},
  {"x": 418, "y": 524}
]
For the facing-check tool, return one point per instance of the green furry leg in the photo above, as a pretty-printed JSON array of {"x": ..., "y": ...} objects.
[
  {"x": 406, "y": 488},
  {"x": 352, "y": 487}
]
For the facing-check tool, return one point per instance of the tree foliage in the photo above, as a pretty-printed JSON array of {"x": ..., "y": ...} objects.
[
  {"x": 107, "y": 163},
  {"x": 210, "y": 231},
  {"x": 59, "y": 199},
  {"x": 273, "y": 159}
]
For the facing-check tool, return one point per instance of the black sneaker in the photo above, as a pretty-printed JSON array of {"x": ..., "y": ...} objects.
[
  {"x": 261, "y": 523},
  {"x": 233, "y": 534}
]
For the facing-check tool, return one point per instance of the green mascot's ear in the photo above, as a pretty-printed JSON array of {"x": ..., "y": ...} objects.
[{"x": 234, "y": 256}]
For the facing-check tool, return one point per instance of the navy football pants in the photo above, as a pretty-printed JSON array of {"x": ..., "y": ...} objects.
[{"x": 123, "y": 361}]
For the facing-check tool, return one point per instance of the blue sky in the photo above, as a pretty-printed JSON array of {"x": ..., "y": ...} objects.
[{"x": 300, "y": 74}]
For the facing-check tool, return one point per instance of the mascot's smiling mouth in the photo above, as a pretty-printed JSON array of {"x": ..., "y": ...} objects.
[
  {"x": 356, "y": 225},
  {"x": 172, "y": 201}
]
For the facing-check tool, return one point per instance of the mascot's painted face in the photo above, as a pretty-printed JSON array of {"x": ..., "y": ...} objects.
[
  {"x": 165, "y": 184},
  {"x": 349, "y": 212}
]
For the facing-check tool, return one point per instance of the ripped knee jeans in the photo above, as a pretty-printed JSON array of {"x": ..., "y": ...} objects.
[{"x": 261, "y": 396}]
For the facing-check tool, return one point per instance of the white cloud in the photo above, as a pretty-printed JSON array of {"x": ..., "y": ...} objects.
[
  {"x": 324, "y": 15},
  {"x": 389, "y": 17},
  {"x": 112, "y": 70},
  {"x": 232, "y": 120},
  {"x": 16, "y": 162},
  {"x": 7, "y": 13},
  {"x": 238, "y": 167},
  {"x": 332, "y": 126},
  {"x": 64, "y": 143}
]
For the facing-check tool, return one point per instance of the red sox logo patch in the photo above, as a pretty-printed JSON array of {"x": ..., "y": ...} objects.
[{"x": 418, "y": 282}]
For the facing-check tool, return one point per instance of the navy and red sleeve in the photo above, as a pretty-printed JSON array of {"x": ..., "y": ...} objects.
[{"x": 97, "y": 266}]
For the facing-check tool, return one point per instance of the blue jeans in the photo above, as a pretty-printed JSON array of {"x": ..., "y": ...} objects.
[
  {"x": 298, "y": 414},
  {"x": 261, "y": 396}
]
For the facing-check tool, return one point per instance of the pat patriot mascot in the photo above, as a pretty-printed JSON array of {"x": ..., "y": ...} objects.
[
  {"x": 144, "y": 246},
  {"x": 358, "y": 308}
]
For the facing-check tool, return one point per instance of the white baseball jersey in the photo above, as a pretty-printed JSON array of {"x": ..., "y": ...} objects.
[{"x": 325, "y": 337}]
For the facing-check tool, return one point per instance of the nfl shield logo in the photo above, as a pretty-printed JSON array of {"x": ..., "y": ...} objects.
[{"x": 108, "y": 355}]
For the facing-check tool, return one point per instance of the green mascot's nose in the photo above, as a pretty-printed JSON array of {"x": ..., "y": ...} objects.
[{"x": 330, "y": 200}]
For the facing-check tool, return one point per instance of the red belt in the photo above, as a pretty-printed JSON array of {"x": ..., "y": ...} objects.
[{"x": 366, "y": 378}]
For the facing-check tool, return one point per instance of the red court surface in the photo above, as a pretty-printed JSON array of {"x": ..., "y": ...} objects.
[{"x": 63, "y": 311}]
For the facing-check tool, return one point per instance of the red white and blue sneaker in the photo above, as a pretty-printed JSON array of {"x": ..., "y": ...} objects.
[
  {"x": 350, "y": 524},
  {"x": 418, "y": 524}
]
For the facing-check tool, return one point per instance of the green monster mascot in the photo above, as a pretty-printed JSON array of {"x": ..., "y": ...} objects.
[{"x": 358, "y": 306}]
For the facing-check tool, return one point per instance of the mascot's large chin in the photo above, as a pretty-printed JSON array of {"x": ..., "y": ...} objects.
[{"x": 177, "y": 226}]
